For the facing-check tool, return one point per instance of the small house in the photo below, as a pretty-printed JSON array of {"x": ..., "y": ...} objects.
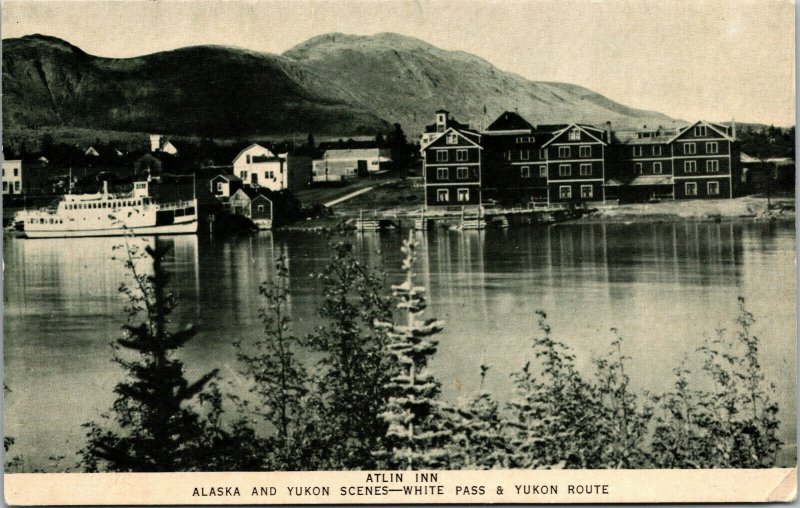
[
  {"x": 91, "y": 152},
  {"x": 254, "y": 205},
  {"x": 259, "y": 167},
  {"x": 224, "y": 186},
  {"x": 12, "y": 177}
]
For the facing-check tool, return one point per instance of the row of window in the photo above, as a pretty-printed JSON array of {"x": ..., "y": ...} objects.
[
  {"x": 106, "y": 204},
  {"x": 565, "y": 191},
  {"x": 712, "y": 166},
  {"x": 461, "y": 155},
  {"x": 17, "y": 186},
  {"x": 712, "y": 188},
  {"x": 444, "y": 173},
  {"x": 443, "y": 195},
  {"x": 688, "y": 149},
  {"x": 16, "y": 172}
]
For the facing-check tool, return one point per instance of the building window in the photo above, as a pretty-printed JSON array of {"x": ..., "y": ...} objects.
[
  {"x": 712, "y": 147},
  {"x": 442, "y": 196},
  {"x": 586, "y": 169},
  {"x": 525, "y": 172},
  {"x": 462, "y": 173},
  {"x": 637, "y": 151},
  {"x": 564, "y": 170},
  {"x": 5, "y": 186},
  {"x": 689, "y": 148},
  {"x": 585, "y": 151},
  {"x": 564, "y": 152},
  {"x": 565, "y": 191},
  {"x": 587, "y": 191},
  {"x": 461, "y": 155},
  {"x": 713, "y": 188},
  {"x": 656, "y": 168},
  {"x": 243, "y": 175},
  {"x": 637, "y": 168},
  {"x": 700, "y": 130},
  {"x": 691, "y": 188},
  {"x": 16, "y": 171},
  {"x": 219, "y": 186},
  {"x": 542, "y": 153},
  {"x": 712, "y": 166},
  {"x": 452, "y": 139},
  {"x": 260, "y": 208},
  {"x": 526, "y": 139},
  {"x": 508, "y": 155},
  {"x": 543, "y": 171},
  {"x": 656, "y": 149},
  {"x": 441, "y": 155},
  {"x": 575, "y": 135},
  {"x": 524, "y": 155},
  {"x": 689, "y": 166},
  {"x": 463, "y": 195},
  {"x": 248, "y": 159},
  {"x": 442, "y": 174}
]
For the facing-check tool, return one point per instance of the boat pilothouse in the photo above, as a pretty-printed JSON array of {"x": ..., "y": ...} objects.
[{"x": 106, "y": 214}]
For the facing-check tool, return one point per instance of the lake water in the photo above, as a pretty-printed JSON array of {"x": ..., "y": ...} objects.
[{"x": 662, "y": 285}]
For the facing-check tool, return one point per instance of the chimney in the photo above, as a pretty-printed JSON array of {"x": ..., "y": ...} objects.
[
  {"x": 155, "y": 142},
  {"x": 608, "y": 132},
  {"x": 733, "y": 128}
]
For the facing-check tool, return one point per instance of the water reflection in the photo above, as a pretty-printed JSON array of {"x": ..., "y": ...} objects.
[{"x": 662, "y": 285}]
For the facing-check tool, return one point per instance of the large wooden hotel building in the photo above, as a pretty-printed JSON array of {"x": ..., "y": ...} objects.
[{"x": 515, "y": 163}]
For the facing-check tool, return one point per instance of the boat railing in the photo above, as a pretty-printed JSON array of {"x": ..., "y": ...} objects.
[{"x": 175, "y": 205}]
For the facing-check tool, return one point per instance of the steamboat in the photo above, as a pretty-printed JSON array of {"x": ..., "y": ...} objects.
[{"x": 107, "y": 214}]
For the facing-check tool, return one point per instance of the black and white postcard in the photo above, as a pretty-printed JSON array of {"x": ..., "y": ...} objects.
[{"x": 395, "y": 251}]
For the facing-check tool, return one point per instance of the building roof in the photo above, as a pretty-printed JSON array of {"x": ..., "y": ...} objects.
[
  {"x": 241, "y": 152},
  {"x": 252, "y": 192},
  {"x": 510, "y": 121},
  {"x": 352, "y": 153},
  {"x": 743, "y": 157},
  {"x": 230, "y": 178},
  {"x": 651, "y": 180}
]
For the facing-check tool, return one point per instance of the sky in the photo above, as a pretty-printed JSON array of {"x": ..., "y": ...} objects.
[{"x": 690, "y": 59}]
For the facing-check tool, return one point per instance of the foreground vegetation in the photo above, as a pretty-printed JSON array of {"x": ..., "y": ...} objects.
[{"x": 371, "y": 401}]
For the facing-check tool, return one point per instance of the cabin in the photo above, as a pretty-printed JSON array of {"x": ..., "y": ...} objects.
[
  {"x": 224, "y": 186},
  {"x": 254, "y": 205},
  {"x": 12, "y": 177},
  {"x": 338, "y": 164}
]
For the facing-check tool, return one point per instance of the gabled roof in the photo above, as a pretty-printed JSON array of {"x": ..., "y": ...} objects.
[
  {"x": 248, "y": 148},
  {"x": 251, "y": 193},
  {"x": 584, "y": 128},
  {"x": 465, "y": 135},
  {"x": 230, "y": 178},
  {"x": 510, "y": 121},
  {"x": 714, "y": 127}
]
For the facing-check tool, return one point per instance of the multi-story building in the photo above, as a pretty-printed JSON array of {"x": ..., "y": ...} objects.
[
  {"x": 515, "y": 162},
  {"x": 452, "y": 163},
  {"x": 575, "y": 158},
  {"x": 514, "y": 169}
]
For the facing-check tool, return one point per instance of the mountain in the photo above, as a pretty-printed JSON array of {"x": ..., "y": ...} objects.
[{"x": 331, "y": 84}]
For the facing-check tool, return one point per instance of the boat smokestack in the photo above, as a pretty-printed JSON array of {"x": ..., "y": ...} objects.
[{"x": 105, "y": 187}]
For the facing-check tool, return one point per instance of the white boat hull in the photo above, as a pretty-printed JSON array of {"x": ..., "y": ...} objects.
[{"x": 169, "y": 229}]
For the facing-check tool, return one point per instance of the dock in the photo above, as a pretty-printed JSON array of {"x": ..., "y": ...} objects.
[{"x": 462, "y": 218}]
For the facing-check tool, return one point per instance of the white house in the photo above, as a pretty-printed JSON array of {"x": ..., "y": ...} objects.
[
  {"x": 259, "y": 167},
  {"x": 12, "y": 177},
  {"x": 91, "y": 152},
  {"x": 344, "y": 163},
  {"x": 160, "y": 145}
]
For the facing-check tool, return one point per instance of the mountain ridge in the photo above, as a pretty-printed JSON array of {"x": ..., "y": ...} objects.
[{"x": 332, "y": 83}]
